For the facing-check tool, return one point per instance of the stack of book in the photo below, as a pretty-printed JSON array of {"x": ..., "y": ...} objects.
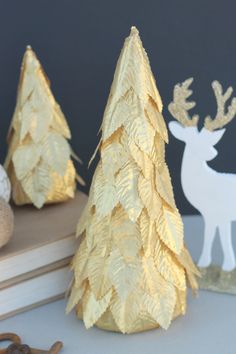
[{"x": 34, "y": 265}]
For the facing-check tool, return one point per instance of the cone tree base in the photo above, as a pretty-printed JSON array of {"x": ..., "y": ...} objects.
[{"x": 107, "y": 322}]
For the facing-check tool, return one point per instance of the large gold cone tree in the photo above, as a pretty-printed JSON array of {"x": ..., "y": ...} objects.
[
  {"x": 39, "y": 157},
  {"x": 131, "y": 267}
]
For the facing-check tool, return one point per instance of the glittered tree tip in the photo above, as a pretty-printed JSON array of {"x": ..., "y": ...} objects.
[{"x": 134, "y": 31}]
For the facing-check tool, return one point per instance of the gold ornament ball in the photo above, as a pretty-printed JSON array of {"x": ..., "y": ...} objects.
[{"x": 6, "y": 222}]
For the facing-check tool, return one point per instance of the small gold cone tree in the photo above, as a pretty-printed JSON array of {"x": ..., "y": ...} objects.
[
  {"x": 39, "y": 161},
  {"x": 130, "y": 270}
]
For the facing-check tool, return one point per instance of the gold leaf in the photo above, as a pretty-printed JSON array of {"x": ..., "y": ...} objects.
[
  {"x": 25, "y": 158},
  {"x": 36, "y": 116},
  {"x": 80, "y": 264},
  {"x": 191, "y": 270},
  {"x": 126, "y": 312},
  {"x": 113, "y": 158},
  {"x": 141, "y": 132},
  {"x": 98, "y": 232},
  {"x": 156, "y": 119},
  {"x": 141, "y": 159},
  {"x": 114, "y": 117},
  {"x": 93, "y": 309},
  {"x": 161, "y": 306},
  {"x": 148, "y": 233},
  {"x": 75, "y": 296},
  {"x": 163, "y": 185},
  {"x": 170, "y": 229},
  {"x": 98, "y": 274},
  {"x": 105, "y": 195},
  {"x": 149, "y": 197},
  {"x": 159, "y": 297},
  {"x": 62, "y": 186},
  {"x": 126, "y": 234},
  {"x": 151, "y": 279},
  {"x": 37, "y": 184},
  {"x": 59, "y": 123},
  {"x": 168, "y": 266},
  {"x": 157, "y": 154},
  {"x": 127, "y": 191},
  {"x": 56, "y": 152},
  {"x": 84, "y": 219},
  {"x": 123, "y": 275}
]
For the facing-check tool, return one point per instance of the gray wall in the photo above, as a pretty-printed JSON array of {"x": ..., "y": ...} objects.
[{"x": 78, "y": 43}]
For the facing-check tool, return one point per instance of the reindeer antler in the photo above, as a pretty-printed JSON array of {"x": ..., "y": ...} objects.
[
  {"x": 179, "y": 107},
  {"x": 221, "y": 117}
]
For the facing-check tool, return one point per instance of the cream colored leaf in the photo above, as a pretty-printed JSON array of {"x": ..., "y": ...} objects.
[
  {"x": 98, "y": 274},
  {"x": 157, "y": 155},
  {"x": 161, "y": 306},
  {"x": 168, "y": 266},
  {"x": 36, "y": 115},
  {"x": 170, "y": 229},
  {"x": 125, "y": 313},
  {"x": 151, "y": 282},
  {"x": 127, "y": 190},
  {"x": 98, "y": 232},
  {"x": 114, "y": 117},
  {"x": 159, "y": 297},
  {"x": 186, "y": 261},
  {"x": 141, "y": 159},
  {"x": 80, "y": 264},
  {"x": 149, "y": 197},
  {"x": 93, "y": 309},
  {"x": 156, "y": 119},
  {"x": 163, "y": 185},
  {"x": 141, "y": 132},
  {"x": 37, "y": 184},
  {"x": 148, "y": 233},
  {"x": 25, "y": 158},
  {"x": 59, "y": 123},
  {"x": 75, "y": 296},
  {"x": 113, "y": 157},
  {"x": 105, "y": 195},
  {"x": 56, "y": 152},
  {"x": 191, "y": 270},
  {"x": 83, "y": 220},
  {"x": 144, "y": 223},
  {"x": 123, "y": 275},
  {"x": 125, "y": 234}
]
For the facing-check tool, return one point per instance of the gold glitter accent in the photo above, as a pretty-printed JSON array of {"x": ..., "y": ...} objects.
[
  {"x": 215, "y": 279},
  {"x": 221, "y": 118},
  {"x": 180, "y": 106}
]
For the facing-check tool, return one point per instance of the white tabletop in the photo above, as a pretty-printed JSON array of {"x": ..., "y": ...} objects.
[{"x": 209, "y": 326}]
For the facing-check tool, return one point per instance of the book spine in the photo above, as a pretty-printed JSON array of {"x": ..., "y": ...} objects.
[{"x": 34, "y": 291}]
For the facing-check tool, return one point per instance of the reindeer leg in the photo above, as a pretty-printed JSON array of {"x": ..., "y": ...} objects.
[
  {"x": 226, "y": 242},
  {"x": 209, "y": 235}
]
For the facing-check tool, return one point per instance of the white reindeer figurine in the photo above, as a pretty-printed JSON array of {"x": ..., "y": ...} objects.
[{"x": 210, "y": 192}]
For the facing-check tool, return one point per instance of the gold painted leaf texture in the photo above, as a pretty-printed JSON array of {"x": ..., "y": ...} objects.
[
  {"x": 56, "y": 152},
  {"x": 93, "y": 309},
  {"x": 127, "y": 190},
  {"x": 25, "y": 158},
  {"x": 170, "y": 229}
]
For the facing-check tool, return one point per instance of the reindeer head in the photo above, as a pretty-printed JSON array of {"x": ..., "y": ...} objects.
[{"x": 200, "y": 143}]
